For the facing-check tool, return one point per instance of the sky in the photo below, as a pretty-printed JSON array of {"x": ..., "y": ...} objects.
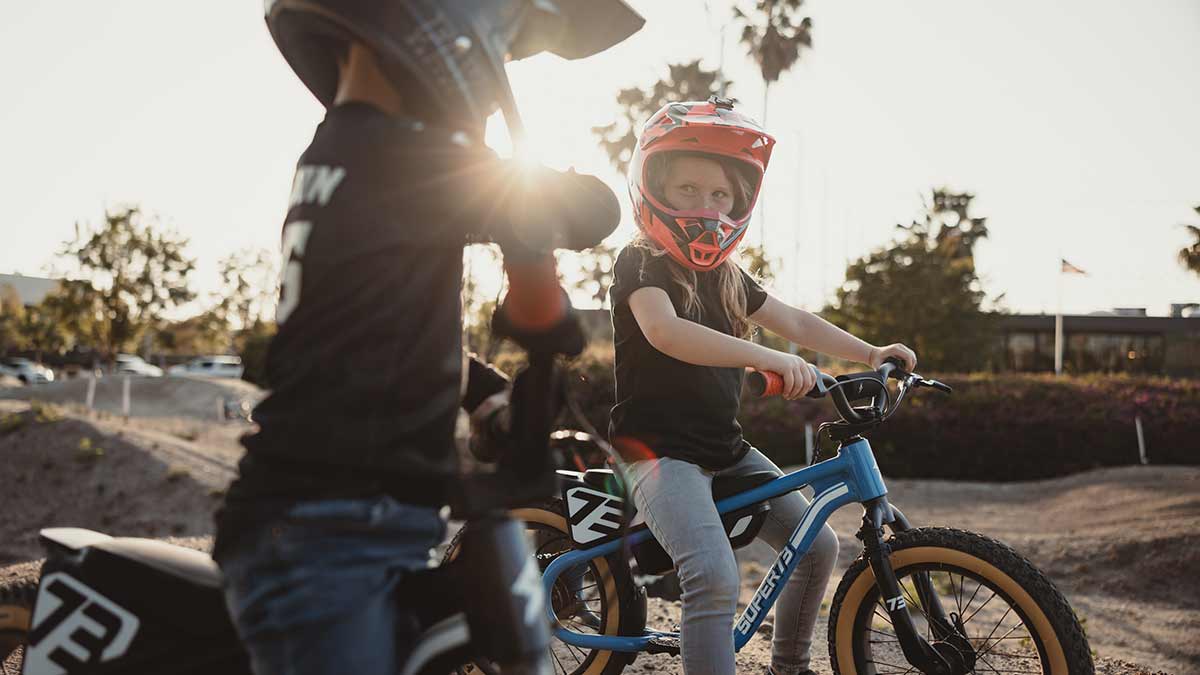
[{"x": 1076, "y": 124}]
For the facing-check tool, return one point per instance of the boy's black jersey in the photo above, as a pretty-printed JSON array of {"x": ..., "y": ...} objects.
[
  {"x": 678, "y": 409},
  {"x": 367, "y": 366}
]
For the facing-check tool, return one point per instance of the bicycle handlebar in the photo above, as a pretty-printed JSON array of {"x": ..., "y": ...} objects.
[{"x": 846, "y": 388}]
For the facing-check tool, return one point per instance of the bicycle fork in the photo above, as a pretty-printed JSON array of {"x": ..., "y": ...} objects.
[{"x": 951, "y": 653}]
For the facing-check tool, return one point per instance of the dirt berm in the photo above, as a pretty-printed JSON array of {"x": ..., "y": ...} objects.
[{"x": 1122, "y": 544}]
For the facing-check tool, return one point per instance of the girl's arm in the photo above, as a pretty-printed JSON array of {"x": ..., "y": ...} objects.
[
  {"x": 692, "y": 343},
  {"x": 811, "y": 331}
]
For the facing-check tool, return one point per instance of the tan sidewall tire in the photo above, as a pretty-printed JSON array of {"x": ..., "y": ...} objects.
[
  {"x": 932, "y": 554},
  {"x": 613, "y": 603}
]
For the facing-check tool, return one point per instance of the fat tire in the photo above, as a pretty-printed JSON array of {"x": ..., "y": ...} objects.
[
  {"x": 630, "y": 599},
  {"x": 1061, "y": 617}
]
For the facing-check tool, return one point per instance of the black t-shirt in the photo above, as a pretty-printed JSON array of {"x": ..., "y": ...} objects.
[
  {"x": 366, "y": 369},
  {"x": 678, "y": 409}
]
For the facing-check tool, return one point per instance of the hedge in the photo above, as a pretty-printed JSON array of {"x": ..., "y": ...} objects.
[{"x": 1001, "y": 427}]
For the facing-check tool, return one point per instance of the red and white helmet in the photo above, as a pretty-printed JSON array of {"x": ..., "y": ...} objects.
[{"x": 698, "y": 239}]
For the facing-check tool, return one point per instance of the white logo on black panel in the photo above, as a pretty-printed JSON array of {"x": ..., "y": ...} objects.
[
  {"x": 74, "y": 626},
  {"x": 594, "y": 515}
]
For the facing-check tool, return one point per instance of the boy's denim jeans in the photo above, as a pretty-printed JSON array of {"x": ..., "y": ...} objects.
[{"x": 314, "y": 591}]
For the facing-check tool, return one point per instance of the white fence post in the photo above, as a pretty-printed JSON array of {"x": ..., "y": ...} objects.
[
  {"x": 1137, "y": 422},
  {"x": 125, "y": 397},
  {"x": 91, "y": 392},
  {"x": 808, "y": 443}
]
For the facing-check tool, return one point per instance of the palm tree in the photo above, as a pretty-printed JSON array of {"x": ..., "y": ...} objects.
[
  {"x": 1189, "y": 256},
  {"x": 774, "y": 36},
  {"x": 685, "y": 82}
]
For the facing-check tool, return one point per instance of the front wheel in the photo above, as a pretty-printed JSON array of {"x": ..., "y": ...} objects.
[{"x": 1014, "y": 618}]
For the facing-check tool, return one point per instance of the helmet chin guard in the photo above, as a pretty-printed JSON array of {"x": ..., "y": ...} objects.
[{"x": 704, "y": 238}]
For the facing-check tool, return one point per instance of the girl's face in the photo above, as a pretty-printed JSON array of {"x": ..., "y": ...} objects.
[{"x": 695, "y": 183}]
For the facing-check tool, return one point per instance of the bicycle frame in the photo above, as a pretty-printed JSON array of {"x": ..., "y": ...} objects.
[{"x": 851, "y": 476}]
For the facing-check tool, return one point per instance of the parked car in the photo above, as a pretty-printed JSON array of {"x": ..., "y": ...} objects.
[
  {"x": 28, "y": 372},
  {"x": 130, "y": 364},
  {"x": 212, "y": 366}
]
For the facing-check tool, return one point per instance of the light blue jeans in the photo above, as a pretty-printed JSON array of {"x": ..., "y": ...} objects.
[
  {"x": 675, "y": 498},
  {"x": 314, "y": 591}
]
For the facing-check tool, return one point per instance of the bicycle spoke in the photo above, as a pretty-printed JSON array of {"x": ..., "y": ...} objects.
[
  {"x": 997, "y": 641},
  {"x": 889, "y": 665},
  {"x": 560, "y": 665},
  {"x": 913, "y": 602},
  {"x": 986, "y": 662},
  {"x": 993, "y": 631},
  {"x": 963, "y": 610},
  {"x": 985, "y": 604},
  {"x": 582, "y": 655}
]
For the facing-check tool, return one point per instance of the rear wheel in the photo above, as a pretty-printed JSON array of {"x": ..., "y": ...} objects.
[
  {"x": 598, "y": 600},
  {"x": 1013, "y": 617},
  {"x": 16, "y": 612}
]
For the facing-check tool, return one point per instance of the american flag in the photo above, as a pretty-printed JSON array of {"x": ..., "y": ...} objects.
[{"x": 1068, "y": 268}]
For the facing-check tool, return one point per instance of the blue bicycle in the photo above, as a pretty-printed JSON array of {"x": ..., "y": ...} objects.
[{"x": 924, "y": 600}]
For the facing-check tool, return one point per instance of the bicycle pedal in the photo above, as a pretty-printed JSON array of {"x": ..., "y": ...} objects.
[{"x": 663, "y": 644}]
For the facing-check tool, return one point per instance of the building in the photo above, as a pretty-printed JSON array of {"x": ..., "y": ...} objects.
[
  {"x": 30, "y": 290},
  {"x": 1124, "y": 340}
]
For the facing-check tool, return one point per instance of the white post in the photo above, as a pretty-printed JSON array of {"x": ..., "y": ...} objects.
[
  {"x": 91, "y": 391},
  {"x": 1137, "y": 422},
  {"x": 808, "y": 443},
  {"x": 1058, "y": 327},
  {"x": 125, "y": 397}
]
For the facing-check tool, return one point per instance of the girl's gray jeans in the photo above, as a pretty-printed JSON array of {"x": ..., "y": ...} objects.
[{"x": 675, "y": 498}]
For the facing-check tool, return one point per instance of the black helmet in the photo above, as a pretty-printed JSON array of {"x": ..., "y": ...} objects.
[{"x": 449, "y": 52}]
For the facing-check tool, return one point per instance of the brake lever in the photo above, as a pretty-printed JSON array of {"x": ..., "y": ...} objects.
[{"x": 934, "y": 384}]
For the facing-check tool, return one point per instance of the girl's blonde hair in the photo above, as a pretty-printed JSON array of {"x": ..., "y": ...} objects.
[{"x": 729, "y": 275}]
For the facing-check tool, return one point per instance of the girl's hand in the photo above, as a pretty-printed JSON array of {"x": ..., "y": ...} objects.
[
  {"x": 798, "y": 377},
  {"x": 897, "y": 350}
]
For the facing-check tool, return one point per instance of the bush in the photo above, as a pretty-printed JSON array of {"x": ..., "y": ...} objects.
[{"x": 994, "y": 427}]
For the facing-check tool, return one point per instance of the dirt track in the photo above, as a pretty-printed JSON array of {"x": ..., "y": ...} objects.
[{"x": 1122, "y": 544}]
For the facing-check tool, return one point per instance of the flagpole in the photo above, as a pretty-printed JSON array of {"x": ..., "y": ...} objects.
[{"x": 1058, "y": 325}]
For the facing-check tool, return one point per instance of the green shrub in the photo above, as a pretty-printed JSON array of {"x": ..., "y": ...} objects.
[{"x": 994, "y": 427}]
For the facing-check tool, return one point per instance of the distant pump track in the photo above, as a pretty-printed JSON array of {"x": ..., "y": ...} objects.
[{"x": 184, "y": 397}]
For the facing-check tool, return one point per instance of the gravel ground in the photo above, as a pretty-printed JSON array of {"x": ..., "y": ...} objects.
[{"x": 1122, "y": 544}]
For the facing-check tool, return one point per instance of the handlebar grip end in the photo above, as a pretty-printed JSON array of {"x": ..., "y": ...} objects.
[{"x": 764, "y": 383}]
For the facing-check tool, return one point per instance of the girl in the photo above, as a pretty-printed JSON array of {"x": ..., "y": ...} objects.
[{"x": 681, "y": 307}]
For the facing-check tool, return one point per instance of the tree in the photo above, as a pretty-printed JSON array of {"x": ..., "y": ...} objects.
[
  {"x": 684, "y": 82},
  {"x": 757, "y": 263},
  {"x": 595, "y": 267},
  {"x": 12, "y": 315},
  {"x": 1189, "y": 256},
  {"x": 478, "y": 305},
  {"x": 249, "y": 287},
  {"x": 774, "y": 37},
  {"x": 923, "y": 290},
  {"x": 44, "y": 331},
  {"x": 205, "y": 333},
  {"x": 78, "y": 310},
  {"x": 134, "y": 273}
]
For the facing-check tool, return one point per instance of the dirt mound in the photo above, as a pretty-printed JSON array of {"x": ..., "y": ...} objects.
[
  {"x": 194, "y": 397},
  {"x": 1120, "y": 543},
  {"x": 58, "y": 470}
]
